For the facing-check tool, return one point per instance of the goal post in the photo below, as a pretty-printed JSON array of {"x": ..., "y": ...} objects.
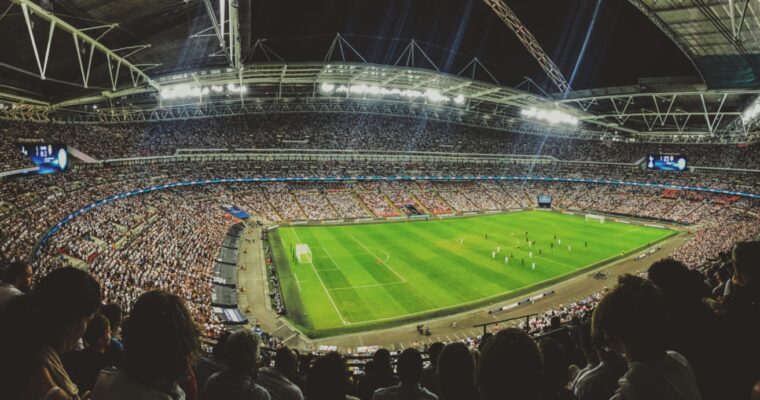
[
  {"x": 303, "y": 253},
  {"x": 595, "y": 217}
]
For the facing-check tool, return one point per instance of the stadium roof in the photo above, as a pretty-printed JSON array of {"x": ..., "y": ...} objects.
[
  {"x": 171, "y": 36},
  {"x": 721, "y": 37},
  {"x": 118, "y": 56}
]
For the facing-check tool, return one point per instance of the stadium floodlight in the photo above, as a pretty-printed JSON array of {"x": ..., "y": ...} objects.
[
  {"x": 751, "y": 112},
  {"x": 432, "y": 95},
  {"x": 180, "y": 91},
  {"x": 550, "y": 116},
  {"x": 188, "y": 91},
  {"x": 435, "y": 96},
  {"x": 232, "y": 88}
]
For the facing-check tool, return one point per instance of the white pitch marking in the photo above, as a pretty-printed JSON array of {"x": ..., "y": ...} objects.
[
  {"x": 366, "y": 286},
  {"x": 374, "y": 255},
  {"x": 323, "y": 285},
  {"x": 331, "y": 257}
]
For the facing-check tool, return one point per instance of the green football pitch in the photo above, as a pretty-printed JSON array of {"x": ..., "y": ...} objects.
[{"x": 378, "y": 275}]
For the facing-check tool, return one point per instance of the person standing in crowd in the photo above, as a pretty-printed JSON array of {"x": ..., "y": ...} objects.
[
  {"x": 509, "y": 367},
  {"x": 85, "y": 365},
  {"x": 16, "y": 282},
  {"x": 237, "y": 381},
  {"x": 589, "y": 355},
  {"x": 328, "y": 379},
  {"x": 556, "y": 370},
  {"x": 115, "y": 349},
  {"x": 409, "y": 372},
  {"x": 429, "y": 378},
  {"x": 456, "y": 372},
  {"x": 693, "y": 328},
  {"x": 741, "y": 314},
  {"x": 38, "y": 328},
  {"x": 601, "y": 381},
  {"x": 209, "y": 364},
  {"x": 277, "y": 380},
  {"x": 631, "y": 318},
  {"x": 160, "y": 343},
  {"x": 380, "y": 374}
]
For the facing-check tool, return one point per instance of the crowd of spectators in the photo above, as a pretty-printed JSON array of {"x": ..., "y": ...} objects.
[
  {"x": 275, "y": 293},
  {"x": 353, "y": 132},
  {"x": 664, "y": 334},
  {"x": 37, "y": 203},
  {"x": 152, "y": 255},
  {"x": 173, "y": 251}
]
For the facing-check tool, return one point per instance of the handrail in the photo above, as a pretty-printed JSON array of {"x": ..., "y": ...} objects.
[{"x": 485, "y": 325}]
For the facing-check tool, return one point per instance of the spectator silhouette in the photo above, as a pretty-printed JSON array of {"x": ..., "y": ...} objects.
[
  {"x": 409, "y": 372},
  {"x": 456, "y": 372},
  {"x": 429, "y": 379},
  {"x": 277, "y": 380},
  {"x": 692, "y": 328},
  {"x": 587, "y": 348},
  {"x": 328, "y": 379},
  {"x": 38, "y": 328},
  {"x": 509, "y": 367},
  {"x": 601, "y": 381},
  {"x": 741, "y": 310},
  {"x": 160, "y": 343},
  {"x": 379, "y": 374},
  {"x": 631, "y": 317},
  {"x": 17, "y": 280},
  {"x": 85, "y": 365},
  {"x": 556, "y": 370},
  {"x": 236, "y": 382},
  {"x": 209, "y": 364},
  {"x": 115, "y": 316}
]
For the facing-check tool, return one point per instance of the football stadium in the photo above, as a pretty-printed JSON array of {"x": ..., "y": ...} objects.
[{"x": 334, "y": 200}]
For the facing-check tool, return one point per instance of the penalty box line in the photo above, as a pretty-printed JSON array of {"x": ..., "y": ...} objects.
[
  {"x": 327, "y": 292},
  {"x": 337, "y": 267},
  {"x": 378, "y": 258},
  {"x": 367, "y": 286}
]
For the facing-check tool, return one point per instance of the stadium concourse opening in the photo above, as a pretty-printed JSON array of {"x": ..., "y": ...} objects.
[{"x": 334, "y": 200}]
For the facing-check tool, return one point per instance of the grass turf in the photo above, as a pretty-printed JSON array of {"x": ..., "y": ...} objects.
[{"x": 378, "y": 275}]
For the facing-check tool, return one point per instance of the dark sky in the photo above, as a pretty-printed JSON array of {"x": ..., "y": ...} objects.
[{"x": 623, "y": 46}]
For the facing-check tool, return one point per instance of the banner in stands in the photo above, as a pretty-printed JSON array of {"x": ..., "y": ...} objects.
[{"x": 236, "y": 212}]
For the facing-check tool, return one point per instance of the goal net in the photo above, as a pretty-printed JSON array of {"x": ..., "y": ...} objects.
[
  {"x": 595, "y": 217},
  {"x": 303, "y": 253}
]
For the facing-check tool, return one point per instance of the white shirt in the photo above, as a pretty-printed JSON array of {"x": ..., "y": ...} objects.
[
  {"x": 113, "y": 385},
  {"x": 406, "y": 392},
  {"x": 7, "y": 292},
  {"x": 278, "y": 385},
  {"x": 667, "y": 378}
]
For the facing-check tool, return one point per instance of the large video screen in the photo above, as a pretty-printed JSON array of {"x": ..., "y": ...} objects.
[
  {"x": 544, "y": 199},
  {"x": 49, "y": 157},
  {"x": 667, "y": 162}
]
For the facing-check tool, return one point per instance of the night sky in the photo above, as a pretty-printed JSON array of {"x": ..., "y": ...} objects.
[{"x": 622, "y": 47}]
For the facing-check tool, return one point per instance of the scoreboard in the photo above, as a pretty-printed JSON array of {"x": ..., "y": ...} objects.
[
  {"x": 49, "y": 157},
  {"x": 667, "y": 162},
  {"x": 545, "y": 200}
]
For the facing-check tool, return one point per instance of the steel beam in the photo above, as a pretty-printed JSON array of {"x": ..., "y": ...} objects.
[
  {"x": 30, "y": 7},
  {"x": 226, "y": 29},
  {"x": 529, "y": 41}
]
